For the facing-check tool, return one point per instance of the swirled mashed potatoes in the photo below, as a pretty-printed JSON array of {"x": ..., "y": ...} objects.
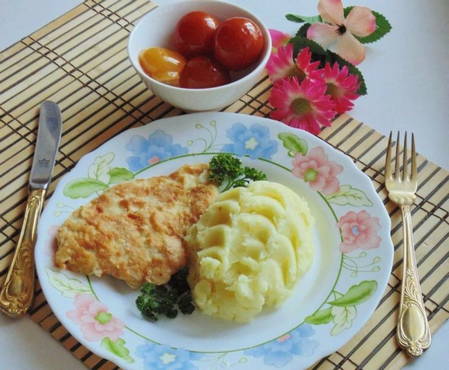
[{"x": 248, "y": 250}]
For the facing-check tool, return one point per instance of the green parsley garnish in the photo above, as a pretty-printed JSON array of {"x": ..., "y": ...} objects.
[
  {"x": 227, "y": 172},
  {"x": 167, "y": 299}
]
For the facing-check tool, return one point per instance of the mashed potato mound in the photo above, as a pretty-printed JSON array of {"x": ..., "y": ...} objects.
[{"x": 248, "y": 250}]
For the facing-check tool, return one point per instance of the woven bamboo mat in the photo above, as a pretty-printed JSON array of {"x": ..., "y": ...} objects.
[{"x": 80, "y": 62}]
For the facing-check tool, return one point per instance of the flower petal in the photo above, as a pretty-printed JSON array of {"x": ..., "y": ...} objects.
[
  {"x": 278, "y": 38},
  {"x": 361, "y": 21},
  {"x": 324, "y": 34},
  {"x": 349, "y": 48},
  {"x": 331, "y": 11},
  {"x": 281, "y": 64}
]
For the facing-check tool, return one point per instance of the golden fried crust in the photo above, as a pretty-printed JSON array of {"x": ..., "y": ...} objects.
[{"x": 134, "y": 231}]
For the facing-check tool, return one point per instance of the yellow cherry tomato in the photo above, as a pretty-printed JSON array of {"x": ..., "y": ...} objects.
[{"x": 162, "y": 64}]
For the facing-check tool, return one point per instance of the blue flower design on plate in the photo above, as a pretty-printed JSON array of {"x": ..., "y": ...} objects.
[
  {"x": 253, "y": 141},
  {"x": 157, "y": 147},
  {"x": 160, "y": 357},
  {"x": 280, "y": 351}
]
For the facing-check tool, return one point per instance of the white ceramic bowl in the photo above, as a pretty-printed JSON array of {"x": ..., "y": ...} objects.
[{"x": 155, "y": 29}]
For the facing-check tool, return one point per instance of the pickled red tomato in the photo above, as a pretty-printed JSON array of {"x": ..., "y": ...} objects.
[
  {"x": 162, "y": 64},
  {"x": 194, "y": 34},
  {"x": 239, "y": 42},
  {"x": 203, "y": 72}
]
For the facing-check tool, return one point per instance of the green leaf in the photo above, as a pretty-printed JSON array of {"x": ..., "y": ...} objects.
[
  {"x": 117, "y": 347},
  {"x": 119, "y": 174},
  {"x": 300, "y": 42},
  {"x": 293, "y": 143},
  {"x": 68, "y": 287},
  {"x": 99, "y": 168},
  {"x": 332, "y": 57},
  {"x": 320, "y": 317},
  {"x": 303, "y": 18},
  {"x": 347, "y": 195},
  {"x": 343, "y": 318},
  {"x": 356, "y": 294},
  {"x": 302, "y": 32},
  {"x": 82, "y": 188},
  {"x": 382, "y": 23}
]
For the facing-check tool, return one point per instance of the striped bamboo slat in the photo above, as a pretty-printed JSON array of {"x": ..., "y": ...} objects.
[{"x": 80, "y": 62}]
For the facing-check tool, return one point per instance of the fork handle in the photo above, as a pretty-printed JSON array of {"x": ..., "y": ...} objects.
[
  {"x": 16, "y": 294},
  {"x": 413, "y": 330}
]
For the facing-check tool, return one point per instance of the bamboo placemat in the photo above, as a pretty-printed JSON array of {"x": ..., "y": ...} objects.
[{"x": 80, "y": 62}]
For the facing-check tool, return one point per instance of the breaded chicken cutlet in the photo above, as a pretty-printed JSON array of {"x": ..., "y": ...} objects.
[{"x": 134, "y": 231}]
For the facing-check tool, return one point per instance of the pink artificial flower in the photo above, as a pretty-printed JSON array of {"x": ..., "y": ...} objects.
[
  {"x": 315, "y": 169},
  {"x": 341, "y": 86},
  {"x": 282, "y": 64},
  {"x": 94, "y": 319},
  {"x": 303, "y": 105},
  {"x": 360, "y": 22},
  {"x": 278, "y": 39},
  {"x": 359, "y": 231}
]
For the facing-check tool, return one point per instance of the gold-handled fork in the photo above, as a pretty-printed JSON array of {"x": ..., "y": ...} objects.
[{"x": 413, "y": 330}]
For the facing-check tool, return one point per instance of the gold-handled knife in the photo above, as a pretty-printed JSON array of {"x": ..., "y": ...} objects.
[{"x": 16, "y": 294}]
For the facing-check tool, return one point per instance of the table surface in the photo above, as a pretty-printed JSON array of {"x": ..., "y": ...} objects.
[{"x": 408, "y": 83}]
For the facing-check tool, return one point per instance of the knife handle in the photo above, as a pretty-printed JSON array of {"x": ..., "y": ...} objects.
[{"x": 16, "y": 294}]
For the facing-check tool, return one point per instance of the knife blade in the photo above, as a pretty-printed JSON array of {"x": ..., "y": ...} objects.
[
  {"x": 16, "y": 294},
  {"x": 48, "y": 138}
]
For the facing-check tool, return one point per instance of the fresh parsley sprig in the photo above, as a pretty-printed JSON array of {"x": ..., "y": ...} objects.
[
  {"x": 227, "y": 171},
  {"x": 167, "y": 299}
]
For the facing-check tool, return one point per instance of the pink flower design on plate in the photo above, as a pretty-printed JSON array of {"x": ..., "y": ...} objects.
[
  {"x": 359, "y": 231},
  {"x": 154, "y": 160},
  {"x": 317, "y": 170},
  {"x": 94, "y": 319}
]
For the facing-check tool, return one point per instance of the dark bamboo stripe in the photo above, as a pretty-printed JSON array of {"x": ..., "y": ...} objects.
[
  {"x": 99, "y": 364},
  {"x": 86, "y": 356},
  {"x": 378, "y": 347},
  {"x": 337, "y": 130},
  {"x": 350, "y": 133},
  {"x": 65, "y": 337},
  {"x": 44, "y": 318},
  {"x": 327, "y": 359},
  {"x": 432, "y": 270},
  {"x": 37, "y": 308},
  {"x": 360, "y": 141},
  {"x": 348, "y": 359},
  {"x": 54, "y": 327},
  {"x": 75, "y": 347},
  {"x": 443, "y": 303}
]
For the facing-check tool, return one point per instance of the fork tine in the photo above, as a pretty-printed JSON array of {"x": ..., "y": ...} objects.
[
  {"x": 404, "y": 159},
  {"x": 414, "y": 174},
  {"x": 388, "y": 158},
  {"x": 397, "y": 159}
]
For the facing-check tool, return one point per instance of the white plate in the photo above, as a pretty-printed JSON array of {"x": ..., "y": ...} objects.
[{"x": 330, "y": 303}]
